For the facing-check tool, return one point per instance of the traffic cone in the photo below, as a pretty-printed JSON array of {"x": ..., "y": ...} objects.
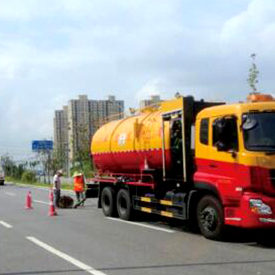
[
  {"x": 29, "y": 201},
  {"x": 51, "y": 194},
  {"x": 52, "y": 211}
]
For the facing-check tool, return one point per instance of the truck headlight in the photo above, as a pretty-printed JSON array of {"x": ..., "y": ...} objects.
[{"x": 257, "y": 206}]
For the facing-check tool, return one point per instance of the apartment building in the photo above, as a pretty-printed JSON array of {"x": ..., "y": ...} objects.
[
  {"x": 83, "y": 117},
  {"x": 60, "y": 135},
  {"x": 154, "y": 100},
  {"x": 60, "y": 128}
]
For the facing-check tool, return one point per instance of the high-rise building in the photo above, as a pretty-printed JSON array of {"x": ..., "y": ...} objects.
[
  {"x": 60, "y": 128},
  {"x": 61, "y": 143},
  {"x": 154, "y": 100},
  {"x": 78, "y": 125},
  {"x": 84, "y": 117}
]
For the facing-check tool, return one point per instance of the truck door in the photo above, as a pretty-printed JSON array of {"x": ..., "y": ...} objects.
[
  {"x": 224, "y": 167},
  {"x": 174, "y": 162},
  {"x": 217, "y": 157}
]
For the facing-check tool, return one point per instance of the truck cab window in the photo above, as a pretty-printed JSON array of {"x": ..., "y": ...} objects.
[
  {"x": 204, "y": 131},
  {"x": 225, "y": 133},
  {"x": 258, "y": 133}
]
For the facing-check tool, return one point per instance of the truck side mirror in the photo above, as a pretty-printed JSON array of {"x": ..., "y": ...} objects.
[{"x": 249, "y": 123}]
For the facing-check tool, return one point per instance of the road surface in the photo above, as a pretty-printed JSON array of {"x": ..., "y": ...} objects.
[{"x": 83, "y": 241}]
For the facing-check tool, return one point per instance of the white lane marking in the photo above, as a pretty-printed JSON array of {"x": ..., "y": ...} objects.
[
  {"x": 66, "y": 257},
  {"x": 10, "y": 194},
  {"x": 6, "y": 224},
  {"x": 144, "y": 225},
  {"x": 41, "y": 202}
]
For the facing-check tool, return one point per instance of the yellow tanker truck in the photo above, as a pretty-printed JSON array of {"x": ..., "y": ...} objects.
[{"x": 209, "y": 163}]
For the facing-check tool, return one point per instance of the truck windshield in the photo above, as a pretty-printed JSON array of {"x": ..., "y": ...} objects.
[{"x": 259, "y": 131}]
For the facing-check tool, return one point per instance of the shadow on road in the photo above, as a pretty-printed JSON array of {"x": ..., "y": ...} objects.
[{"x": 258, "y": 238}]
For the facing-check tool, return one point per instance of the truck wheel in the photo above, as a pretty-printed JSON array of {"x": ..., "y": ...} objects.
[
  {"x": 210, "y": 218},
  {"x": 124, "y": 205},
  {"x": 107, "y": 201}
]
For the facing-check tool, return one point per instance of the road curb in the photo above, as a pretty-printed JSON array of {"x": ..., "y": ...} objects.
[{"x": 38, "y": 187}]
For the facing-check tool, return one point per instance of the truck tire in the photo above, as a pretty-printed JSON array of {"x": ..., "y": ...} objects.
[
  {"x": 210, "y": 218},
  {"x": 108, "y": 201},
  {"x": 124, "y": 205}
]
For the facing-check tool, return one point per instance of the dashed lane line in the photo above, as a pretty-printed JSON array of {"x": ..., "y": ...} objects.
[
  {"x": 66, "y": 257},
  {"x": 144, "y": 225},
  {"x": 5, "y": 224},
  {"x": 10, "y": 194}
]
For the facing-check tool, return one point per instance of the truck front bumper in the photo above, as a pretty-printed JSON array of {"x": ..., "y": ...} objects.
[{"x": 247, "y": 216}]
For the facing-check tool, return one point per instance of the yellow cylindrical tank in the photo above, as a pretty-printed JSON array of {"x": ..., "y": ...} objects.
[{"x": 130, "y": 144}]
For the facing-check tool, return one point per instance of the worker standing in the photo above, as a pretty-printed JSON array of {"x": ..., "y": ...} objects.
[
  {"x": 57, "y": 187},
  {"x": 79, "y": 185}
]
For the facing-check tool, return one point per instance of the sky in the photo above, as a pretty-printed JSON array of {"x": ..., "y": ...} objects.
[{"x": 51, "y": 51}]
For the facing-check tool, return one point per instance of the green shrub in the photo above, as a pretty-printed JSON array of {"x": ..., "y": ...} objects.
[{"x": 28, "y": 176}]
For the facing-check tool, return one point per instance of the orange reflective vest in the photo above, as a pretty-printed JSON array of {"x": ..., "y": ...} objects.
[{"x": 79, "y": 183}]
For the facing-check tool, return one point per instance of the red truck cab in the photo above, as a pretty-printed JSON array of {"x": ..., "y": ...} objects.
[{"x": 235, "y": 162}]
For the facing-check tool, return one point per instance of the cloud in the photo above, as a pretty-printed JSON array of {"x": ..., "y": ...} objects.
[
  {"x": 53, "y": 50},
  {"x": 251, "y": 28},
  {"x": 16, "y": 9},
  {"x": 152, "y": 87}
]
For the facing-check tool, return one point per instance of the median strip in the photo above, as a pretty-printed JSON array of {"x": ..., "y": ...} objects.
[{"x": 65, "y": 257}]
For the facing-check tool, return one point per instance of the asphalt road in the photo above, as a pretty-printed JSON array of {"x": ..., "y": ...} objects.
[{"x": 83, "y": 241}]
